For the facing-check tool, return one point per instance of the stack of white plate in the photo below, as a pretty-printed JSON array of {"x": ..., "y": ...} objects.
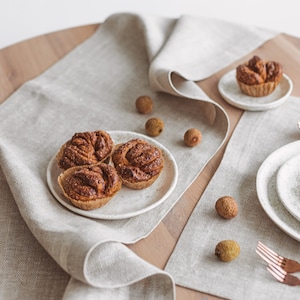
[{"x": 278, "y": 188}]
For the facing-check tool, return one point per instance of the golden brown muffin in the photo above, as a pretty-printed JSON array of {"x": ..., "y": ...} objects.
[
  {"x": 85, "y": 148},
  {"x": 90, "y": 187},
  {"x": 257, "y": 77},
  {"x": 138, "y": 163}
]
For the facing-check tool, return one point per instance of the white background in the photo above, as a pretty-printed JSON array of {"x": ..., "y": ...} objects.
[{"x": 23, "y": 19}]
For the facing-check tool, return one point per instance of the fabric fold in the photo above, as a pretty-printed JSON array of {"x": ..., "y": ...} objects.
[
  {"x": 95, "y": 87},
  {"x": 203, "y": 46}
]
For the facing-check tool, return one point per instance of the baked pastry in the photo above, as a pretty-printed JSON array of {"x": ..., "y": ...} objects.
[
  {"x": 85, "y": 148},
  {"x": 90, "y": 187},
  {"x": 257, "y": 77},
  {"x": 138, "y": 163}
]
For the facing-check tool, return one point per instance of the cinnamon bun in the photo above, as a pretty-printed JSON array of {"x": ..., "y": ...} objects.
[
  {"x": 85, "y": 148},
  {"x": 90, "y": 187},
  {"x": 258, "y": 77},
  {"x": 138, "y": 163}
]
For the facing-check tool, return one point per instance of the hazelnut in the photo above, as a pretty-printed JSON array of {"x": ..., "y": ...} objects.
[
  {"x": 144, "y": 104},
  {"x": 154, "y": 126},
  {"x": 226, "y": 207},
  {"x": 192, "y": 137}
]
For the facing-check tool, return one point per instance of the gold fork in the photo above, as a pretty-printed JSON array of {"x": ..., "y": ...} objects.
[
  {"x": 273, "y": 258},
  {"x": 282, "y": 276}
]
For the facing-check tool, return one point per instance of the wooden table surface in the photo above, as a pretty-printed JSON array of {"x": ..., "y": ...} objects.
[{"x": 26, "y": 60}]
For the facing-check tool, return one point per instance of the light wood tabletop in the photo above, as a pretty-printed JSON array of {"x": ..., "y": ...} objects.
[{"x": 26, "y": 60}]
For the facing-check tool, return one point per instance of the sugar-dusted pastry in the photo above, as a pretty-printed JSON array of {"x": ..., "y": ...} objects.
[
  {"x": 258, "y": 77},
  {"x": 85, "y": 148},
  {"x": 90, "y": 187},
  {"x": 138, "y": 163}
]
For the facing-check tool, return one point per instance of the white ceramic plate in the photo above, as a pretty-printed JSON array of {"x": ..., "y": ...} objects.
[
  {"x": 288, "y": 185},
  {"x": 230, "y": 91},
  {"x": 267, "y": 191},
  {"x": 127, "y": 202}
]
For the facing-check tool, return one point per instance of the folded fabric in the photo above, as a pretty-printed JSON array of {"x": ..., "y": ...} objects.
[{"x": 95, "y": 87}]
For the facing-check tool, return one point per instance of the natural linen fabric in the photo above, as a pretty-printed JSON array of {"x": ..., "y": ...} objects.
[
  {"x": 95, "y": 87},
  {"x": 257, "y": 135}
]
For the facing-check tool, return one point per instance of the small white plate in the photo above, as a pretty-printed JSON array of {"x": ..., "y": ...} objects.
[
  {"x": 288, "y": 185},
  {"x": 267, "y": 191},
  {"x": 230, "y": 91},
  {"x": 127, "y": 202}
]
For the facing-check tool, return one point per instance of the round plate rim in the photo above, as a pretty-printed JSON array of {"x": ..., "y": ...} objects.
[
  {"x": 262, "y": 181},
  {"x": 255, "y": 107},
  {"x": 284, "y": 200}
]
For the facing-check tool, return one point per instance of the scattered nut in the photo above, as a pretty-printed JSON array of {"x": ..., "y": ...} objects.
[
  {"x": 227, "y": 207},
  {"x": 144, "y": 104},
  {"x": 192, "y": 137},
  {"x": 154, "y": 126},
  {"x": 227, "y": 250}
]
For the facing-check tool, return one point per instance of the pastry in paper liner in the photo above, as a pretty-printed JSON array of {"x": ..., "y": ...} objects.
[
  {"x": 138, "y": 163},
  {"x": 258, "y": 78},
  {"x": 85, "y": 148},
  {"x": 91, "y": 186}
]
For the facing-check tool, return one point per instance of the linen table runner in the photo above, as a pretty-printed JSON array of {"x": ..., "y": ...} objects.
[
  {"x": 256, "y": 136},
  {"x": 92, "y": 88}
]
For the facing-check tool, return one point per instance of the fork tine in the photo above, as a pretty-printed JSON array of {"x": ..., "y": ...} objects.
[
  {"x": 265, "y": 255},
  {"x": 277, "y": 272},
  {"x": 270, "y": 251},
  {"x": 273, "y": 256}
]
